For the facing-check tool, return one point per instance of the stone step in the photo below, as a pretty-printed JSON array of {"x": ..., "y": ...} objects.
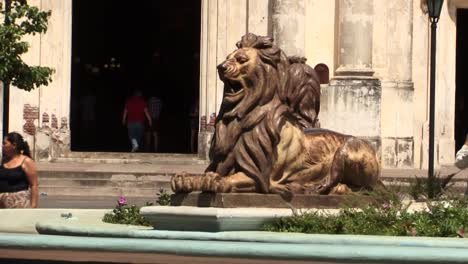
[
  {"x": 129, "y": 158},
  {"x": 103, "y": 175},
  {"x": 144, "y": 187},
  {"x": 97, "y": 183},
  {"x": 85, "y": 191},
  {"x": 142, "y": 179},
  {"x": 102, "y": 183}
]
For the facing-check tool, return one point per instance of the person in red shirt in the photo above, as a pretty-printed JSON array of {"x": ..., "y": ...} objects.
[{"x": 134, "y": 115}]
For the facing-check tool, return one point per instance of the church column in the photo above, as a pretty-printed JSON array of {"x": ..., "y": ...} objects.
[
  {"x": 355, "y": 38},
  {"x": 223, "y": 23},
  {"x": 397, "y": 86},
  {"x": 354, "y": 95},
  {"x": 208, "y": 76},
  {"x": 288, "y": 22}
]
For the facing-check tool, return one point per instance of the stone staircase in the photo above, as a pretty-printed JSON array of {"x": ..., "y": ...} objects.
[
  {"x": 142, "y": 174},
  {"x": 133, "y": 175}
]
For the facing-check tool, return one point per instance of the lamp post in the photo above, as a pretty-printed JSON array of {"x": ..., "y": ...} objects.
[{"x": 434, "y": 8}]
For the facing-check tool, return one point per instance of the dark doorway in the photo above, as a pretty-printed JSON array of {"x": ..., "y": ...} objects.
[
  {"x": 461, "y": 99},
  {"x": 120, "y": 45}
]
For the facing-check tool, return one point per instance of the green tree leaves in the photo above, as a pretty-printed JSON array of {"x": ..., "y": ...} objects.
[{"x": 21, "y": 20}]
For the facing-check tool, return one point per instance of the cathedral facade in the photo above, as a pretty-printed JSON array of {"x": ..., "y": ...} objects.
[{"x": 372, "y": 57}]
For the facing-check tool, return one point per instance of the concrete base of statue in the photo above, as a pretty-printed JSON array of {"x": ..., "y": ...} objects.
[
  {"x": 210, "y": 219},
  {"x": 257, "y": 200}
]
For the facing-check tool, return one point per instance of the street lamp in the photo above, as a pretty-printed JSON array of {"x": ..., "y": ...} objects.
[{"x": 434, "y": 7}]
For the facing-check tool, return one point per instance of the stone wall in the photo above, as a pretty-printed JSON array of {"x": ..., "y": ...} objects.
[{"x": 42, "y": 115}]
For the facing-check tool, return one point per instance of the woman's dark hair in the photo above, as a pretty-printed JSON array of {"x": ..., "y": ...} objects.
[{"x": 21, "y": 145}]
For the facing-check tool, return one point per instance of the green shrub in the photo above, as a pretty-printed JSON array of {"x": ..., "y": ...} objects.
[
  {"x": 441, "y": 219},
  {"x": 430, "y": 188},
  {"x": 163, "y": 197},
  {"x": 125, "y": 214}
]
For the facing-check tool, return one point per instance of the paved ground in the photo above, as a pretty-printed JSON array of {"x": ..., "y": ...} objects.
[{"x": 88, "y": 202}]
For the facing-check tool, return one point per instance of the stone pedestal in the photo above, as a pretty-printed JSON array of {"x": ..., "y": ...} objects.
[
  {"x": 354, "y": 105},
  {"x": 246, "y": 200}
]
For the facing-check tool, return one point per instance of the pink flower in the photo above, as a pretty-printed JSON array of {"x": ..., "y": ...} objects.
[{"x": 122, "y": 200}]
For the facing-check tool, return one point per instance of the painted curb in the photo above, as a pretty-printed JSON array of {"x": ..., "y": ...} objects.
[
  {"x": 290, "y": 251},
  {"x": 70, "y": 229},
  {"x": 86, "y": 232}
]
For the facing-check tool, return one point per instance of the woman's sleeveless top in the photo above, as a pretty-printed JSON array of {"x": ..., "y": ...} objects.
[{"x": 13, "y": 179}]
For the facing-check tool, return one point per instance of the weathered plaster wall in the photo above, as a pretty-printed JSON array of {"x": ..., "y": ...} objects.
[
  {"x": 223, "y": 24},
  {"x": 320, "y": 30},
  {"x": 56, "y": 52},
  {"x": 24, "y": 105},
  {"x": 320, "y": 46},
  {"x": 391, "y": 52},
  {"x": 353, "y": 98},
  {"x": 258, "y": 17},
  {"x": 42, "y": 115},
  {"x": 445, "y": 82},
  {"x": 420, "y": 79},
  {"x": 288, "y": 25},
  {"x": 446, "y": 85}
]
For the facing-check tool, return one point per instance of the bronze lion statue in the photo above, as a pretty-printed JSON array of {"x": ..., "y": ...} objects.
[{"x": 266, "y": 140}]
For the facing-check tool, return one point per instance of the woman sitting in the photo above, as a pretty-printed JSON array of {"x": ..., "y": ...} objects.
[{"x": 18, "y": 174}]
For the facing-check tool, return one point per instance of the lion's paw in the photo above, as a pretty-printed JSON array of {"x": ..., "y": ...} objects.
[
  {"x": 341, "y": 189},
  {"x": 213, "y": 182},
  {"x": 185, "y": 183}
]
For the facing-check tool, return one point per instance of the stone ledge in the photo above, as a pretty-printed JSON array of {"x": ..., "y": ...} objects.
[
  {"x": 210, "y": 219},
  {"x": 247, "y": 200}
]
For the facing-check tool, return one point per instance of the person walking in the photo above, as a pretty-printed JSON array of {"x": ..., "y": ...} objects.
[
  {"x": 152, "y": 132},
  {"x": 18, "y": 174},
  {"x": 133, "y": 116},
  {"x": 194, "y": 124}
]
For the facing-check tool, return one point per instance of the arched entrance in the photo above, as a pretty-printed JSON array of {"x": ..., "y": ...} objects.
[{"x": 120, "y": 45}]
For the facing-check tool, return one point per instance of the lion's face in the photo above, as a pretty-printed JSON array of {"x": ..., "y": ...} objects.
[{"x": 235, "y": 72}]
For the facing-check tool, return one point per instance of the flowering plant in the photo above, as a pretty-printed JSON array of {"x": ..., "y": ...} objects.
[
  {"x": 122, "y": 201},
  {"x": 125, "y": 214}
]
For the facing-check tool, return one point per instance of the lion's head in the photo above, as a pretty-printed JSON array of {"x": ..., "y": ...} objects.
[{"x": 252, "y": 75}]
